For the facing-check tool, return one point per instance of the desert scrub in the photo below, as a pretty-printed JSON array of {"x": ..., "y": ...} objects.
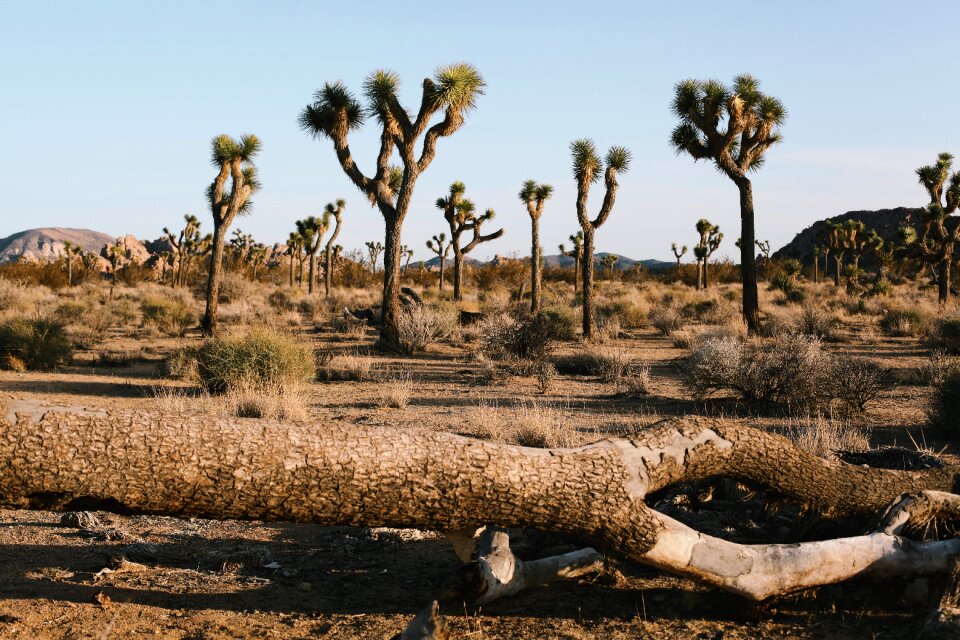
[
  {"x": 814, "y": 321},
  {"x": 784, "y": 370},
  {"x": 33, "y": 343},
  {"x": 170, "y": 317},
  {"x": 824, "y": 436},
  {"x": 521, "y": 337},
  {"x": 344, "y": 367},
  {"x": 420, "y": 326},
  {"x": 855, "y": 382},
  {"x": 905, "y": 323},
  {"x": 667, "y": 320},
  {"x": 394, "y": 392},
  {"x": 944, "y": 410},
  {"x": 258, "y": 360},
  {"x": 944, "y": 335}
]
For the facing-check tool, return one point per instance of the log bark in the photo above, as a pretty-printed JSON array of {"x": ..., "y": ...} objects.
[{"x": 355, "y": 475}]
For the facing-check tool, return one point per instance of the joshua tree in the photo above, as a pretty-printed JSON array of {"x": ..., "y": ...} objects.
[
  {"x": 258, "y": 257},
  {"x": 115, "y": 254},
  {"x": 311, "y": 229},
  {"x": 939, "y": 232},
  {"x": 817, "y": 250},
  {"x": 166, "y": 257},
  {"x": 442, "y": 250},
  {"x": 836, "y": 244},
  {"x": 453, "y": 90},
  {"x": 678, "y": 254},
  {"x": 374, "y": 249},
  {"x": 587, "y": 168},
  {"x": 234, "y": 160},
  {"x": 575, "y": 252},
  {"x": 710, "y": 238},
  {"x": 534, "y": 195},
  {"x": 406, "y": 253},
  {"x": 460, "y": 216},
  {"x": 764, "y": 246},
  {"x": 334, "y": 209},
  {"x": 189, "y": 238},
  {"x": 294, "y": 248},
  {"x": 241, "y": 244},
  {"x": 609, "y": 261},
  {"x": 71, "y": 251},
  {"x": 736, "y": 146}
]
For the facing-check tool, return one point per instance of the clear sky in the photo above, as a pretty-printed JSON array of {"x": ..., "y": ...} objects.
[{"x": 107, "y": 109}]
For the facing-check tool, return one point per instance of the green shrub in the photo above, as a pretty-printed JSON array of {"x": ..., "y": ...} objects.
[
  {"x": 168, "y": 316},
  {"x": 523, "y": 337},
  {"x": 36, "y": 343},
  {"x": 259, "y": 360}
]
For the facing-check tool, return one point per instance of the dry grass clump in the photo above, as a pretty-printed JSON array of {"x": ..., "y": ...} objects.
[
  {"x": 667, "y": 320},
  {"x": 944, "y": 335},
  {"x": 344, "y": 367},
  {"x": 33, "y": 344},
  {"x": 349, "y": 327},
  {"x": 814, "y": 321},
  {"x": 529, "y": 424},
  {"x": 856, "y": 382},
  {"x": 505, "y": 336},
  {"x": 17, "y": 297},
  {"x": 266, "y": 404},
  {"x": 825, "y": 436},
  {"x": 395, "y": 392},
  {"x": 170, "y": 317},
  {"x": 420, "y": 326},
  {"x": 260, "y": 360},
  {"x": 944, "y": 409}
]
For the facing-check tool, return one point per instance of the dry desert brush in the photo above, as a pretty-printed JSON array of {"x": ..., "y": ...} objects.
[
  {"x": 261, "y": 359},
  {"x": 33, "y": 343}
]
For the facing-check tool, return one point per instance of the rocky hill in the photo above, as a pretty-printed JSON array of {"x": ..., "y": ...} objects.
[
  {"x": 885, "y": 222},
  {"x": 41, "y": 245}
]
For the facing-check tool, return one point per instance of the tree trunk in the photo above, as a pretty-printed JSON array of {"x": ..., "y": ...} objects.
[
  {"x": 291, "y": 270},
  {"x": 359, "y": 475},
  {"x": 535, "y": 275},
  {"x": 442, "y": 264},
  {"x": 838, "y": 262},
  {"x": 748, "y": 264},
  {"x": 943, "y": 285},
  {"x": 209, "y": 323},
  {"x": 586, "y": 267},
  {"x": 576, "y": 272},
  {"x": 816, "y": 270},
  {"x": 457, "y": 274},
  {"x": 699, "y": 274},
  {"x": 390, "y": 332},
  {"x": 310, "y": 278},
  {"x": 678, "y": 269},
  {"x": 328, "y": 260}
]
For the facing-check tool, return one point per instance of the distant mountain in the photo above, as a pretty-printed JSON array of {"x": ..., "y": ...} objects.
[
  {"x": 435, "y": 262},
  {"x": 886, "y": 222},
  {"x": 45, "y": 244},
  {"x": 623, "y": 263}
]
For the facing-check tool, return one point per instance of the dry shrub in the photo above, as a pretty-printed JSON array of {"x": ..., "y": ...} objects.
[
  {"x": 784, "y": 370},
  {"x": 33, "y": 343},
  {"x": 234, "y": 287},
  {"x": 944, "y": 335},
  {"x": 905, "y": 323},
  {"x": 612, "y": 365},
  {"x": 666, "y": 320},
  {"x": 395, "y": 392},
  {"x": 420, "y": 326},
  {"x": 944, "y": 410},
  {"x": 814, "y": 321},
  {"x": 636, "y": 383},
  {"x": 263, "y": 403},
  {"x": 170, "y": 317},
  {"x": 824, "y": 436},
  {"x": 261, "y": 360},
  {"x": 856, "y": 382},
  {"x": 504, "y": 336},
  {"x": 545, "y": 375},
  {"x": 685, "y": 339},
  {"x": 349, "y": 327},
  {"x": 345, "y": 367}
]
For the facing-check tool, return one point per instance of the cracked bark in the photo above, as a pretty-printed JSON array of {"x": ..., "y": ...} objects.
[{"x": 331, "y": 474}]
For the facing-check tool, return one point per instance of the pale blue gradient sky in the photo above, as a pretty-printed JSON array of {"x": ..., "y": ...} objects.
[{"x": 107, "y": 109}]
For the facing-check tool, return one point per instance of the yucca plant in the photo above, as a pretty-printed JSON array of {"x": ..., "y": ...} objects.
[
  {"x": 312, "y": 229},
  {"x": 678, "y": 254},
  {"x": 575, "y": 252},
  {"x": 533, "y": 195},
  {"x": 335, "y": 112},
  {"x": 374, "y": 249},
  {"x": 587, "y": 169},
  {"x": 460, "y": 216},
  {"x": 938, "y": 232},
  {"x": 234, "y": 162},
  {"x": 733, "y": 127},
  {"x": 710, "y": 238},
  {"x": 439, "y": 245}
]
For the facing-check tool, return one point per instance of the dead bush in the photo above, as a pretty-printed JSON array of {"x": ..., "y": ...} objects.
[
  {"x": 395, "y": 392},
  {"x": 666, "y": 320},
  {"x": 420, "y": 326},
  {"x": 856, "y": 382}
]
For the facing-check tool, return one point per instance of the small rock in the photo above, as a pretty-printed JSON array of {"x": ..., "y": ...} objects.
[{"x": 80, "y": 520}]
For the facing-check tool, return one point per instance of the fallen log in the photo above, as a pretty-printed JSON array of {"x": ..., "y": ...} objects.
[{"x": 61, "y": 457}]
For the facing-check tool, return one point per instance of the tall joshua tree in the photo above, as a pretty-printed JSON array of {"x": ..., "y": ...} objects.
[
  {"x": 436, "y": 244},
  {"x": 406, "y": 253},
  {"x": 575, "y": 252},
  {"x": 534, "y": 195},
  {"x": 460, "y": 216},
  {"x": 609, "y": 261},
  {"x": 452, "y": 91},
  {"x": 234, "y": 160},
  {"x": 334, "y": 209},
  {"x": 710, "y": 238},
  {"x": 294, "y": 249},
  {"x": 678, "y": 253},
  {"x": 836, "y": 244},
  {"x": 732, "y": 126},
  {"x": 939, "y": 232},
  {"x": 311, "y": 229},
  {"x": 587, "y": 168},
  {"x": 189, "y": 236}
]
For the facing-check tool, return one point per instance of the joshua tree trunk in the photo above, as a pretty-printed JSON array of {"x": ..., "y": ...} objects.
[
  {"x": 706, "y": 280},
  {"x": 576, "y": 275},
  {"x": 748, "y": 263},
  {"x": 816, "y": 270},
  {"x": 699, "y": 274},
  {"x": 328, "y": 259},
  {"x": 838, "y": 263},
  {"x": 678, "y": 268},
  {"x": 313, "y": 262},
  {"x": 389, "y": 335},
  {"x": 358, "y": 475},
  {"x": 943, "y": 282},
  {"x": 586, "y": 267},
  {"x": 535, "y": 275},
  {"x": 291, "y": 270},
  {"x": 209, "y": 322},
  {"x": 457, "y": 274}
]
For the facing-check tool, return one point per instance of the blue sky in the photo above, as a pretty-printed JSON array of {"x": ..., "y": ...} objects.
[{"x": 108, "y": 108}]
